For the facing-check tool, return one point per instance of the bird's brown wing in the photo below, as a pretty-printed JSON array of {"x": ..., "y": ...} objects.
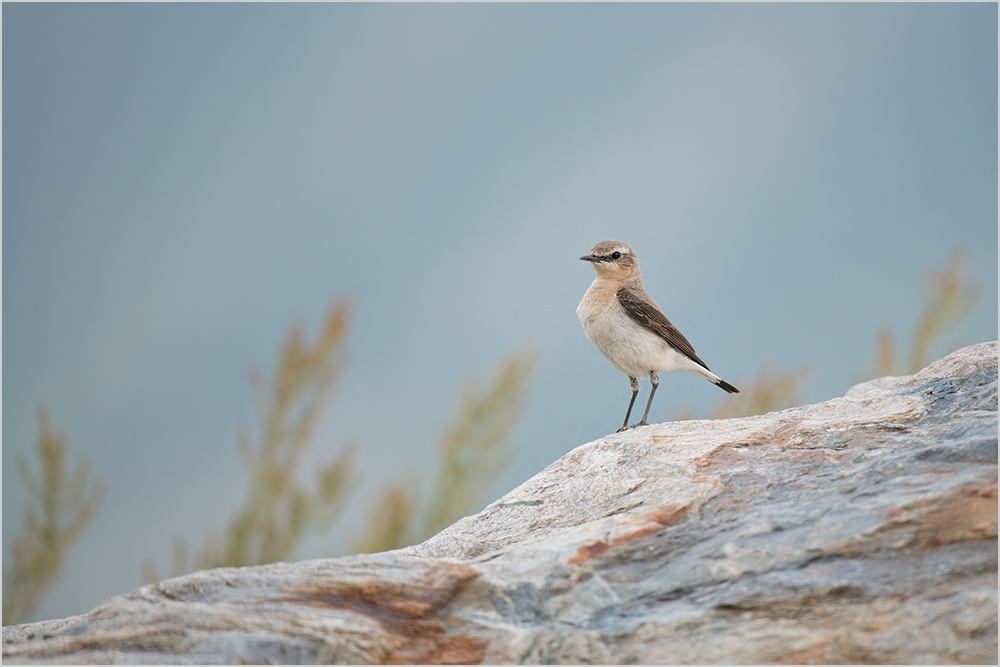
[{"x": 649, "y": 316}]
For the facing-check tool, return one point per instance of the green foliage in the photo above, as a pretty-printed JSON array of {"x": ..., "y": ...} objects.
[
  {"x": 279, "y": 510},
  {"x": 58, "y": 507},
  {"x": 474, "y": 451}
]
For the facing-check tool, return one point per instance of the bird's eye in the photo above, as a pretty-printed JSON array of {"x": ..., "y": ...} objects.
[{"x": 615, "y": 255}]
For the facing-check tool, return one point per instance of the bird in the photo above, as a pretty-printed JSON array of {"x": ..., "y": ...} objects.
[{"x": 629, "y": 329}]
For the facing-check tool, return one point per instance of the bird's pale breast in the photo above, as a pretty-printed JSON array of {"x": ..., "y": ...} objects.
[{"x": 630, "y": 347}]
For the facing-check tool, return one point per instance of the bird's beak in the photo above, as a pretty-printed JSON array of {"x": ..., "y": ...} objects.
[{"x": 591, "y": 258}]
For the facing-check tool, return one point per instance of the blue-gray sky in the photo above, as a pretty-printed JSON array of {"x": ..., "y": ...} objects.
[{"x": 181, "y": 182}]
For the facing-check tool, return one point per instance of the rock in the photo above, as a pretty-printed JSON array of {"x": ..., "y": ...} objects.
[{"x": 861, "y": 529}]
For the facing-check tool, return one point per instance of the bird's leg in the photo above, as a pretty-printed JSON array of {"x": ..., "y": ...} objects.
[
  {"x": 655, "y": 379},
  {"x": 635, "y": 392}
]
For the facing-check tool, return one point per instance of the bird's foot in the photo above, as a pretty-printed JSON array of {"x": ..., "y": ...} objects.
[{"x": 631, "y": 426}]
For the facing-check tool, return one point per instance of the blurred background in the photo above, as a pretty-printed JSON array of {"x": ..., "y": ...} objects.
[{"x": 183, "y": 182}]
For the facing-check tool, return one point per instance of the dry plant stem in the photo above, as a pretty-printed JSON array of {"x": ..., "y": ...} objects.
[
  {"x": 474, "y": 451},
  {"x": 885, "y": 357},
  {"x": 947, "y": 301},
  {"x": 279, "y": 508},
  {"x": 57, "y": 510},
  {"x": 771, "y": 390},
  {"x": 391, "y": 517}
]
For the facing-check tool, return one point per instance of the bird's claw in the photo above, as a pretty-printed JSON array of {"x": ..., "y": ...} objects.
[{"x": 635, "y": 425}]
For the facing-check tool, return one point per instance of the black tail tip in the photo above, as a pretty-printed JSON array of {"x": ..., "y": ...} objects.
[{"x": 728, "y": 387}]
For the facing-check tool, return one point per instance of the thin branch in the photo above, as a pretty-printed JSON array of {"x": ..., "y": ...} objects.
[{"x": 57, "y": 510}]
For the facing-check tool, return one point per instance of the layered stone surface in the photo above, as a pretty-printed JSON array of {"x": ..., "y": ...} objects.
[{"x": 860, "y": 529}]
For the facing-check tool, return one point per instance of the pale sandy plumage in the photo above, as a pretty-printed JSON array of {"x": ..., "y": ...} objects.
[{"x": 629, "y": 328}]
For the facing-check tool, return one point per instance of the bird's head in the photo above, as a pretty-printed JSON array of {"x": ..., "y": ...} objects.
[{"x": 613, "y": 260}]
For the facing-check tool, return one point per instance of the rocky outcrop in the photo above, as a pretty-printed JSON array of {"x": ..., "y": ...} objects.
[{"x": 861, "y": 529}]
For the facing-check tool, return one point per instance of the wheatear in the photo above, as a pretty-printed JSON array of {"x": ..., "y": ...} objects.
[{"x": 629, "y": 329}]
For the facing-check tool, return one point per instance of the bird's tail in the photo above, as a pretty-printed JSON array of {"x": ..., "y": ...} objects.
[
  {"x": 703, "y": 371},
  {"x": 725, "y": 385}
]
